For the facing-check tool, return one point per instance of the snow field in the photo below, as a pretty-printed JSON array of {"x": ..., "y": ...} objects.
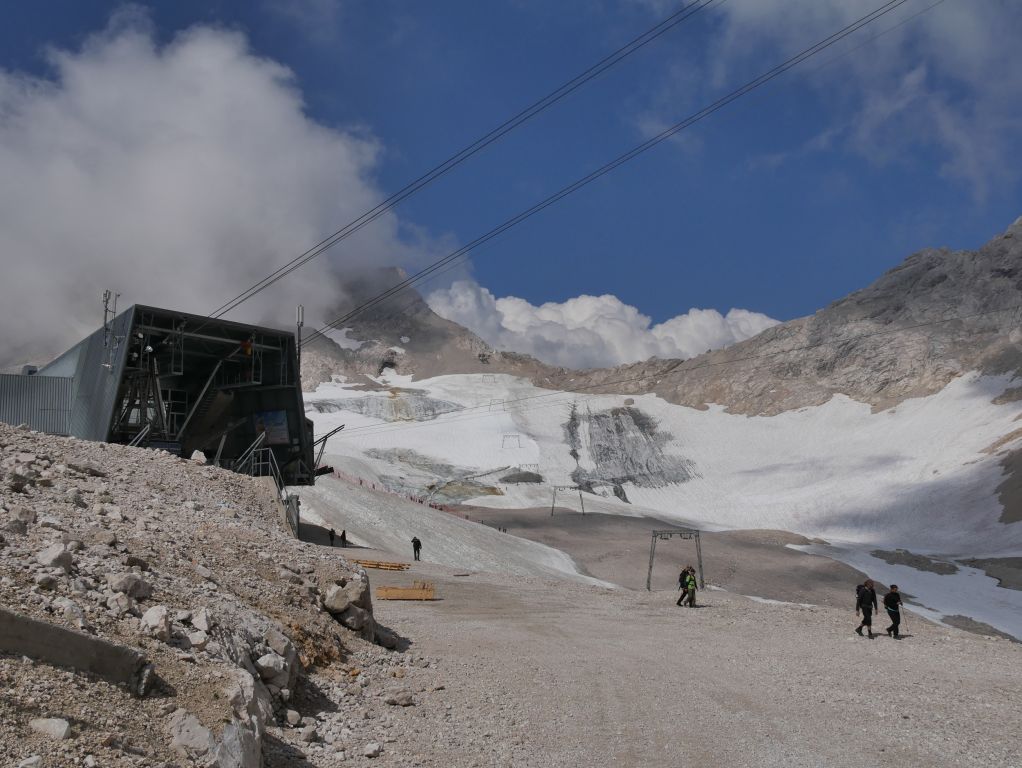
[
  {"x": 386, "y": 522},
  {"x": 916, "y": 476}
]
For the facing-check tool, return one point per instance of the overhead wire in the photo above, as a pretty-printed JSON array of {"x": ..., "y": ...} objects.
[
  {"x": 683, "y": 14},
  {"x": 463, "y": 257},
  {"x": 631, "y": 154}
]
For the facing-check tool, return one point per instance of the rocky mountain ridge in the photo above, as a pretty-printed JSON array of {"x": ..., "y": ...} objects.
[{"x": 936, "y": 316}]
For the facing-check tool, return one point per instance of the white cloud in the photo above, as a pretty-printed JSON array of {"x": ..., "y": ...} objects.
[
  {"x": 946, "y": 81},
  {"x": 177, "y": 175},
  {"x": 590, "y": 331}
]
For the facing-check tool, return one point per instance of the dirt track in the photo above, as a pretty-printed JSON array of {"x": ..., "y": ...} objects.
[
  {"x": 559, "y": 673},
  {"x": 588, "y": 676},
  {"x": 615, "y": 548}
]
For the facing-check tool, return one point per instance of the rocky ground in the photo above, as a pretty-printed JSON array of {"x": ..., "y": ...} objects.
[{"x": 253, "y": 639}]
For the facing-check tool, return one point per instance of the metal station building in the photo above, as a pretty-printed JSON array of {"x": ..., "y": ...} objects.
[{"x": 180, "y": 382}]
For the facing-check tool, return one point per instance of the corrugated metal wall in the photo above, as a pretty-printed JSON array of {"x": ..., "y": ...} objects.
[
  {"x": 42, "y": 402},
  {"x": 97, "y": 379}
]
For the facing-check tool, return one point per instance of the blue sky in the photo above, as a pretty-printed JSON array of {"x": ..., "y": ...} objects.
[{"x": 785, "y": 201}]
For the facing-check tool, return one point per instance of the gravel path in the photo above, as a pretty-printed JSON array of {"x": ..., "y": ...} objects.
[{"x": 559, "y": 674}]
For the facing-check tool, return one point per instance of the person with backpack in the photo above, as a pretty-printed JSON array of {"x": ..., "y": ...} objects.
[
  {"x": 892, "y": 602},
  {"x": 682, "y": 578},
  {"x": 416, "y": 546},
  {"x": 691, "y": 586},
  {"x": 331, "y": 534},
  {"x": 866, "y": 603}
]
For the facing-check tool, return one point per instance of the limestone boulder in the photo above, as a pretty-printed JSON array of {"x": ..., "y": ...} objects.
[
  {"x": 156, "y": 622},
  {"x": 55, "y": 556},
  {"x": 273, "y": 669},
  {"x": 55, "y": 728},
  {"x": 188, "y": 737},
  {"x": 339, "y": 597},
  {"x": 131, "y": 584}
]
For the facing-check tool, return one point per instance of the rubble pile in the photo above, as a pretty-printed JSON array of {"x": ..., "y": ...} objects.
[{"x": 258, "y": 647}]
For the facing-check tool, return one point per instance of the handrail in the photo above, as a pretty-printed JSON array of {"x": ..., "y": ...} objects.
[
  {"x": 248, "y": 452},
  {"x": 266, "y": 457},
  {"x": 141, "y": 435}
]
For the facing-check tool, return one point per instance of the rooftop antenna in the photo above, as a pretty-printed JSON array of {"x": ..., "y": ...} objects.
[{"x": 299, "y": 321}]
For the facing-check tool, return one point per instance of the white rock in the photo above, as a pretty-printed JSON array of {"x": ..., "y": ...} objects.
[
  {"x": 130, "y": 584},
  {"x": 119, "y": 603},
  {"x": 202, "y": 620},
  {"x": 250, "y": 700},
  {"x": 55, "y": 556},
  {"x": 54, "y": 727},
  {"x": 188, "y": 736},
  {"x": 372, "y": 749},
  {"x": 273, "y": 669},
  {"x": 156, "y": 621},
  {"x": 198, "y": 639}
]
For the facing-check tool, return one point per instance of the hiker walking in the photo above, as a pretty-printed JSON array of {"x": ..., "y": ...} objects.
[
  {"x": 866, "y": 603},
  {"x": 682, "y": 578},
  {"x": 691, "y": 586},
  {"x": 892, "y": 602},
  {"x": 330, "y": 533},
  {"x": 416, "y": 546},
  {"x": 344, "y": 538}
]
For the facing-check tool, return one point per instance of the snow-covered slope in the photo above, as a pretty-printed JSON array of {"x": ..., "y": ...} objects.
[
  {"x": 922, "y": 476},
  {"x": 388, "y": 523}
]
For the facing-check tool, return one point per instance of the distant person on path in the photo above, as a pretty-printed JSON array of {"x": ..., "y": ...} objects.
[
  {"x": 691, "y": 586},
  {"x": 682, "y": 578},
  {"x": 330, "y": 533},
  {"x": 416, "y": 546},
  {"x": 892, "y": 602},
  {"x": 344, "y": 538},
  {"x": 866, "y": 602}
]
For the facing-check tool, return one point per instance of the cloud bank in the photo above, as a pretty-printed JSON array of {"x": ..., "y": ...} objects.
[
  {"x": 590, "y": 331},
  {"x": 176, "y": 175}
]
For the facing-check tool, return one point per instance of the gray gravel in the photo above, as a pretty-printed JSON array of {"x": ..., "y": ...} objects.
[{"x": 563, "y": 675}]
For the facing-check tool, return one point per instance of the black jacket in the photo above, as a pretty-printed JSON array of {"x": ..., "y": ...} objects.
[
  {"x": 867, "y": 599},
  {"x": 892, "y": 601}
]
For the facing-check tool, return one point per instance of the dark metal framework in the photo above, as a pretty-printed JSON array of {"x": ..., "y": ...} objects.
[
  {"x": 553, "y": 499},
  {"x": 684, "y": 533},
  {"x": 185, "y": 383}
]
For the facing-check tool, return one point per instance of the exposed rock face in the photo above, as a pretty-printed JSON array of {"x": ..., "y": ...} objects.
[
  {"x": 907, "y": 335},
  {"x": 410, "y": 406},
  {"x": 624, "y": 445}
]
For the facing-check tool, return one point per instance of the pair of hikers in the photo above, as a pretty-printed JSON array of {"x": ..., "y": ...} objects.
[
  {"x": 866, "y": 604},
  {"x": 687, "y": 585},
  {"x": 344, "y": 537}
]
